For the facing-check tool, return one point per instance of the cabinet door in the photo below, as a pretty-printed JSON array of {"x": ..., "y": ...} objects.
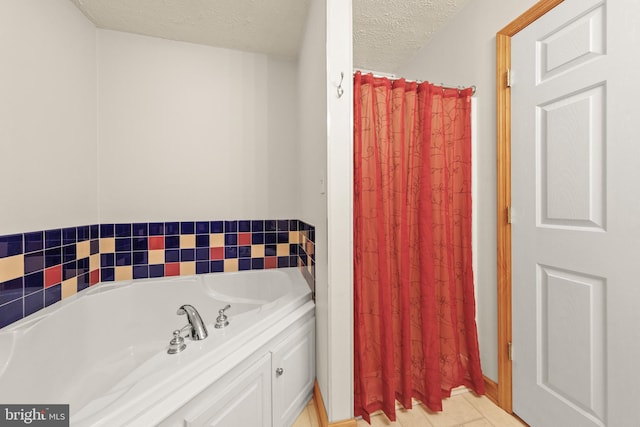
[
  {"x": 244, "y": 402},
  {"x": 293, "y": 364}
]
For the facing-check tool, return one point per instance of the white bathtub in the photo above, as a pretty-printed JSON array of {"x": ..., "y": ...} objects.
[{"x": 103, "y": 351}]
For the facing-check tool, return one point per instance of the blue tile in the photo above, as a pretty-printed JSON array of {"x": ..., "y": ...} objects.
[
  {"x": 52, "y": 257},
  {"x": 270, "y": 250},
  {"x": 123, "y": 244},
  {"x": 217, "y": 266},
  {"x": 94, "y": 231},
  {"x": 187, "y": 255},
  {"x": 216, "y": 227},
  {"x": 33, "y": 282},
  {"x": 202, "y": 267},
  {"x": 69, "y": 235},
  {"x": 270, "y": 225},
  {"x": 312, "y": 234},
  {"x": 140, "y": 244},
  {"x": 283, "y": 237},
  {"x": 257, "y": 238},
  {"x": 156, "y": 270},
  {"x": 231, "y": 252},
  {"x": 94, "y": 247},
  {"x": 52, "y": 295},
  {"x": 293, "y": 261},
  {"x": 140, "y": 258},
  {"x": 244, "y": 226},
  {"x": 244, "y": 251},
  {"x": 202, "y": 227},
  {"x": 33, "y": 262},
  {"x": 33, "y": 241},
  {"x": 283, "y": 261},
  {"x": 283, "y": 225},
  {"x": 83, "y": 265},
  {"x": 172, "y": 242},
  {"x": 69, "y": 270},
  {"x": 303, "y": 259},
  {"x": 293, "y": 225},
  {"x": 33, "y": 303},
  {"x": 107, "y": 260},
  {"x": 140, "y": 271},
  {"x": 156, "y": 229},
  {"x": 270, "y": 238},
  {"x": 82, "y": 233},
  {"x": 244, "y": 264},
  {"x": 10, "y": 245},
  {"x": 123, "y": 258},
  {"x": 140, "y": 229},
  {"x": 230, "y": 226},
  {"x": 123, "y": 230},
  {"x": 293, "y": 249},
  {"x": 53, "y": 238},
  {"x": 107, "y": 230},
  {"x": 187, "y": 227},
  {"x": 10, "y": 290},
  {"x": 83, "y": 282},
  {"x": 69, "y": 253},
  {"x": 10, "y": 312},
  {"x": 202, "y": 254},
  {"x": 257, "y": 225},
  {"x": 257, "y": 263},
  {"x": 107, "y": 274},
  {"x": 202, "y": 240},
  {"x": 230, "y": 239},
  {"x": 172, "y": 255},
  {"x": 171, "y": 228}
]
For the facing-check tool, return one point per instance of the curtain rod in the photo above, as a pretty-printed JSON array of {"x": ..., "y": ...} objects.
[{"x": 393, "y": 76}]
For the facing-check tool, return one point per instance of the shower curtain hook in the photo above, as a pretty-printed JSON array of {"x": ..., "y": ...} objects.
[{"x": 340, "y": 90}]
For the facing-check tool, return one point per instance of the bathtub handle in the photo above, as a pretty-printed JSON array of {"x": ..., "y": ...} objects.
[
  {"x": 279, "y": 371},
  {"x": 221, "y": 320}
]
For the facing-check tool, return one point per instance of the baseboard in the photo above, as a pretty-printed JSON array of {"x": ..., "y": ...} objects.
[
  {"x": 491, "y": 390},
  {"x": 323, "y": 420}
]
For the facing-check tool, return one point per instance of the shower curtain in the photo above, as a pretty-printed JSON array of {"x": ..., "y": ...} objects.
[{"x": 414, "y": 306}]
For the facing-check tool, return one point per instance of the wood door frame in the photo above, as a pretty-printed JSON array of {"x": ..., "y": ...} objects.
[{"x": 503, "y": 140}]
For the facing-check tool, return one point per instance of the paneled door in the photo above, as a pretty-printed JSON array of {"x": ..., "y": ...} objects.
[{"x": 575, "y": 175}]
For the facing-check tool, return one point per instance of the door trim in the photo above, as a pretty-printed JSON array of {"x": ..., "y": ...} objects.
[{"x": 503, "y": 140}]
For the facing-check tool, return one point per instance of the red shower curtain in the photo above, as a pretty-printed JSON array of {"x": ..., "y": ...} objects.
[{"x": 414, "y": 315}]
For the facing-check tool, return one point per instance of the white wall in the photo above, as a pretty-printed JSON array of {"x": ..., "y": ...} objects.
[
  {"x": 47, "y": 116},
  {"x": 463, "y": 53},
  {"x": 191, "y": 132}
]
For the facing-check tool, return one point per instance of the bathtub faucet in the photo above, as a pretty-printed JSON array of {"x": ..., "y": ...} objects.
[{"x": 197, "y": 330}]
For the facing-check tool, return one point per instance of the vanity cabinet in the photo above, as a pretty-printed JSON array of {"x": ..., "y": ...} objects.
[{"x": 268, "y": 389}]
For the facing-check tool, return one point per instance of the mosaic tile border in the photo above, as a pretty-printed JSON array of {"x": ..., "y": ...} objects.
[{"x": 40, "y": 268}]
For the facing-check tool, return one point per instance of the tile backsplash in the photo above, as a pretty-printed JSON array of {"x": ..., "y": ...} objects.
[{"x": 40, "y": 268}]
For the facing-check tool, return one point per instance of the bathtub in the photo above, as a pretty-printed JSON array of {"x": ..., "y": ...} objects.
[{"x": 104, "y": 350}]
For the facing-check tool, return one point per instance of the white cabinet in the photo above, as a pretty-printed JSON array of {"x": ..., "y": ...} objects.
[
  {"x": 292, "y": 380},
  {"x": 268, "y": 389}
]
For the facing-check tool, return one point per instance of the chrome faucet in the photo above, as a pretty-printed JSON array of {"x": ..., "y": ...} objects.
[{"x": 197, "y": 329}]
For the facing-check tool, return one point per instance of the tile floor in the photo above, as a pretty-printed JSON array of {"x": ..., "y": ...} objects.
[{"x": 464, "y": 409}]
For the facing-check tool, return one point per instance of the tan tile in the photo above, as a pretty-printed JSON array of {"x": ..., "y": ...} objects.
[
  {"x": 412, "y": 418},
  {"x": 69, "y": 287},
  {"x": 294, "y": 237},
  {"x": 493, "y": 413},
  {"x": 230, "y": 265},
  {"x": 83, "y": 249},
  {"x": 283, "y": 249},
  {"x": 303, "y": 419},
  {"x": 482, "y": 422},
  {"x": 381, "y": 420},
  {"x": 107, "y": 245},
  {"x": 216, "y": 240},
  {"x": 313, "y": 414},
  {"x": 187, "y": 241},
  {"x": 156, "y": 256},
  {"x": 94, "y": 262},
  {"x": 257, "y": 251},
  {"x": 456, "y": 411},
  {"x": 187, "y": 268},
  {"x": 124, "y": 272},
  {"x": 11, "y": 267}
]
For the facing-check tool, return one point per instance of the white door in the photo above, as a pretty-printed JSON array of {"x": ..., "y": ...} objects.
[{"x": 576, "y": 216}]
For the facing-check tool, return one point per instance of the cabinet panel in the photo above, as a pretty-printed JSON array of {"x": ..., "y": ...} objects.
[{"x": 293, "y": 370}]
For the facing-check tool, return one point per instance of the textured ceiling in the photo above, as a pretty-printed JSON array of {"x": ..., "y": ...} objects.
[{"x": 386, "y": 33}]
